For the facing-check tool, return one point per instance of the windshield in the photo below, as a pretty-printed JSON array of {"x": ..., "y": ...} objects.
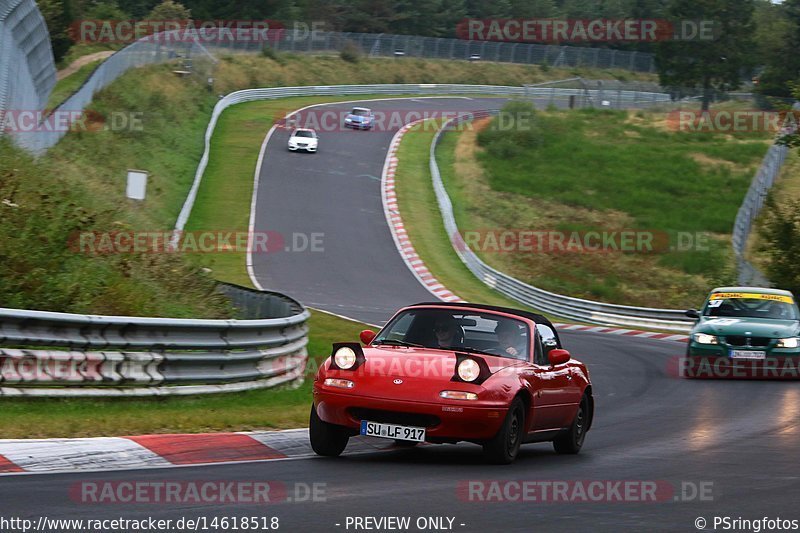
[
  {"x": 452, "y": 329},
  {"x": 751, "y": 305},
  {"x": 360, "y": 112},
  {"x": 304, "y": 133}
]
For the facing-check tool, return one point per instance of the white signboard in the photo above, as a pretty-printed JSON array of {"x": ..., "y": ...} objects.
[{"x": 137, "y": 184}]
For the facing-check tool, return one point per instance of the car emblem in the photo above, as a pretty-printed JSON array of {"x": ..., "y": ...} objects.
[{"x": 398, "y": 382}]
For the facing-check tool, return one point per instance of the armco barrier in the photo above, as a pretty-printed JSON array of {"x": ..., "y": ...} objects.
[
  {"x": 548, "y": 302},
  {"x": 58, "y": 354}
]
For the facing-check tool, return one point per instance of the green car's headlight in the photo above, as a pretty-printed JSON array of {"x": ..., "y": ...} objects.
[
  {"x": 791, "y": 342},
  {"x": 705, "y": 338}
]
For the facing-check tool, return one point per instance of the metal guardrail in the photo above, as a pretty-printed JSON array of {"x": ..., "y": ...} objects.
[
  {"x": 131, "y": 356},
  {"x": 548, "y": 302}
]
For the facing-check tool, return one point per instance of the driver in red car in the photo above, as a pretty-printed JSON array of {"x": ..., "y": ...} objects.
[{"x": 447, "y": 333}]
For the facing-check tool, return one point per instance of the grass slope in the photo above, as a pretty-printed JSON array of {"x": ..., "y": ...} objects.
[{"x": 609, "y": 171}]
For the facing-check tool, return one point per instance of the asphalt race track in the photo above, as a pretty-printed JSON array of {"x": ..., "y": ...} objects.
[
  {"x": 336, "y": 193},
  {"x": 740, "y": 436},
  {"x": 728, "y": 448}
]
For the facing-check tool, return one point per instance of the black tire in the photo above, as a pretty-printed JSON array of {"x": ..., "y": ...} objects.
[
  {"x": 571, "y": 441},
  {"x": 327, "y": 439},
  {"x": 503, "y": 448}
]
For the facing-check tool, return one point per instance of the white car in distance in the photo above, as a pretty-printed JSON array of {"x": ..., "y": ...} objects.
[{"x": 303, "y": 139}]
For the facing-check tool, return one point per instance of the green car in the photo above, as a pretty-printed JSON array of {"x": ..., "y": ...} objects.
[{"x": 744, "y": 332}]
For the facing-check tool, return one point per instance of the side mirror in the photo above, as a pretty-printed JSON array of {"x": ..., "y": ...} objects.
[
  {"x": 367, "y": 336},
  {"x": 693, "y": 313},
  {"x": 558, "y": 356}
]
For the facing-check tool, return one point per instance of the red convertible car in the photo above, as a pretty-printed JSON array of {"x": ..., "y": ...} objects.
[{"x": 449, "y": 372}]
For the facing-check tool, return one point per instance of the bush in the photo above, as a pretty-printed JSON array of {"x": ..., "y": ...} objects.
[
  {"x": 780, "y": 232},
  {"x": 515, "y": 129},
  {"x": 350, "y": 52}
]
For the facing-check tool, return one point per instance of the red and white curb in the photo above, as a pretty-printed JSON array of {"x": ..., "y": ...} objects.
[
  {"x": 163, "y": 451},
  {"x": 395, "y": 221},
  {"x": 624, "y": 332},
  {"x": 417, "y": 266}
]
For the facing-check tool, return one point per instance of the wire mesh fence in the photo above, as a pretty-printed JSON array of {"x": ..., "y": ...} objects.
[
  {"x": 401, "y": 46},
  {"x": 190, "y": 58},
  {"x": 751, "y": 207}
]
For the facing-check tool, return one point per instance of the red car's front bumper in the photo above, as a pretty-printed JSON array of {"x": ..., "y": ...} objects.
[{"x": 467, "y": 420}]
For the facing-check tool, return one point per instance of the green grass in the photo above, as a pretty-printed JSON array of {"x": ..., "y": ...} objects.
[
  {"x": 65, "y": 87},
  {"x": 606, "y": 171},
  {"x": 599, "y": 160},
  {"x": 280, "y": 408}
]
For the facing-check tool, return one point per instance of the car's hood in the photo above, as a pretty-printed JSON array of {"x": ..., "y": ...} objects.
[
  {"x": 423, "y": 362},
  {"x": 357, "y": 118},
  {"x": 307, "y": 140},
  {"x": 754, "y": 327}
]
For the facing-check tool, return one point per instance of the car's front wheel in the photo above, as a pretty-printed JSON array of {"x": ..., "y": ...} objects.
[
  {"x": 503, "y": 448},
  {"x": 571, "y": 441},
  {"x": 327, "y": 439}
]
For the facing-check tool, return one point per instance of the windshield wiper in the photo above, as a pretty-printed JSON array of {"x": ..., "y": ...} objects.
[{"x": 396, "y": 342}]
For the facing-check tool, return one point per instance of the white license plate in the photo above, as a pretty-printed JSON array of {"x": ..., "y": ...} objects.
[
  {"x": 392, "y": 431},
  {"x": 748, "y": 354}
]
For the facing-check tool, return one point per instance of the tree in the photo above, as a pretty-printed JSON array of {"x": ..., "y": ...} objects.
[
  {"x": 57, "y": 16},
  {"x": 782, "y": 49},
  {"x": 791, "y": 137},
  {"x": 106, "y": 10},
  {"x": 715, "y": 64},
  {"x": 170, "y": 10}
]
